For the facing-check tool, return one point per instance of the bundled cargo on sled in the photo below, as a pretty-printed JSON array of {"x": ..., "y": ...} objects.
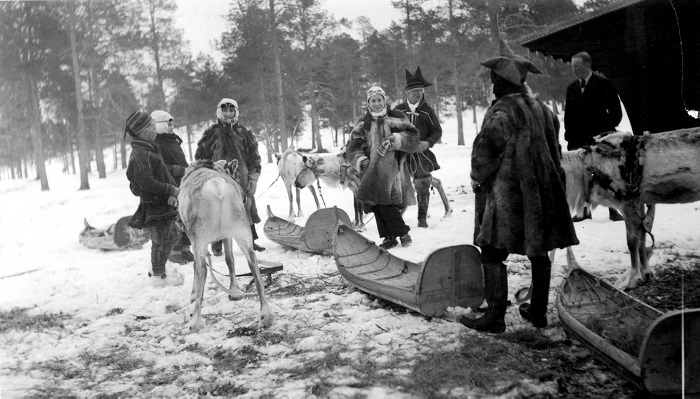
[
  {"x": 657, "y": 352},
  {"x": 118, "y": 236},
  {"x": 450, "y": 276},
  {"x": 316, "y": 236}
]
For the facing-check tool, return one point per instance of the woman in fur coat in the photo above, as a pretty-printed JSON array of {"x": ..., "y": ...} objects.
[
  {"x": 377, "y": 148},
  {"x": 520, "y": 189}
]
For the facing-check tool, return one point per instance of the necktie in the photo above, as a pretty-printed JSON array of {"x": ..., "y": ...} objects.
[{"x": 583, "y": 84}]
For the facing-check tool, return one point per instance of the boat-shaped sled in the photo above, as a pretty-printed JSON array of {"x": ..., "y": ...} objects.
[
  {"x": 118, "y": 236},
  {"x": 657, "y": 352},
  {"x": 316, "y": 236},
  {"x": 450, "y": 276}
]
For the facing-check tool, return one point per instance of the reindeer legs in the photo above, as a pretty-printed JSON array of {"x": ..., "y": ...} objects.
[
  {"x": 200, "y": 277},
  {"x": 639, "y": 273},
  {"x": 234, "y": 293},
  {"x": 266, "y": 315},
  {"x": 435, "y": 182}
]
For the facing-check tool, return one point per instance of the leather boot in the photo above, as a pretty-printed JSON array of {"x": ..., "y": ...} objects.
[
  {"x": 422, "y": 186},
  {"x": 496, "y": 295},
  {"x": 536, "y": 311}
]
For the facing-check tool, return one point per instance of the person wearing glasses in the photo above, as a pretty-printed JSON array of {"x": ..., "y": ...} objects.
[
  {"x": 423, "y": 117},
  {"x": 377, "y": 148},
  {"x": 169, "y": 145},
  {"x": 229, "y": 140}
]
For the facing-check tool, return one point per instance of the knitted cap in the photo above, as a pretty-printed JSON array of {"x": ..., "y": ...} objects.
[
  {"x": 375, "y": 91},
  {"x": 136, "y": 122}
]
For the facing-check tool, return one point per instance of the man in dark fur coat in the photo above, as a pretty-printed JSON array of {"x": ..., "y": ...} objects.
[
  {"x": 170, "y": 148},
  {"x": 228, "y": 140},
  {"x": 423, "y": 117},
  {"x": 377, "y": 148},
  {"x": 520, "y": 185},
  {"x": 592, "y": 107}
]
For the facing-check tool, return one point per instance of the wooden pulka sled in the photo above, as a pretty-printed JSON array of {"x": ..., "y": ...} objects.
[
  {"x": 668, "y": 362},
  {"x": 448, "y": 277},
  {"x": 117, "y": 237},
  {"x": 315, "y": 237}
]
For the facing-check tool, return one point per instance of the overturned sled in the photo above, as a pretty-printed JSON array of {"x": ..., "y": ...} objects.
[
  {"x": 659, "y": 353},
  {"x": 117, "y": 237},
  {"x": 316, "y": 236},
  {"x": 450, "y": 276}
]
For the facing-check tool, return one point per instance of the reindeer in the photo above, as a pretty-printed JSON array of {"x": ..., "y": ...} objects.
[
  {"x": 303, "y": 170},
  {"x": 212, "y": 207},
  {"x": 626, "y": 172}
]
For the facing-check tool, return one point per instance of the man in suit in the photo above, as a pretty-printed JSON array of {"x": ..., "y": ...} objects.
[{"x": 592, "y": 108}]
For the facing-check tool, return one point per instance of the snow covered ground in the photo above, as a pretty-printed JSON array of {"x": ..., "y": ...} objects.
[{"x": 114, "y": 310}]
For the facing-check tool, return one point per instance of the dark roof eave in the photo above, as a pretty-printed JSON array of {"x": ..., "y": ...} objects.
[{"x": 578, "y": 19}]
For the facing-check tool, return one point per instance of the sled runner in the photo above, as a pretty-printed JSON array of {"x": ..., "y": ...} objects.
[
  {"x": 316, "y": 236},
  {"x": 118, "y": 236},
  {"x": 648, "y": 348},
  {"x": 450, "y": 276}
]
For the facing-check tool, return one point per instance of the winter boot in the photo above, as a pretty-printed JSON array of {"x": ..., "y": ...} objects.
[
  {"x": 170, "y": 278},
  {"x": 257, "y": 247},
  {"x": 405, "y": 240},
  {"x": 423, "y": 195},
  {"x": 389, "y": 242},
  {"x": 496, "y": 295},
  {"x": 536, "y": 311},
  {"x": 217, "y": 248}
]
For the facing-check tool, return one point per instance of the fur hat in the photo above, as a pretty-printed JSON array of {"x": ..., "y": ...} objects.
[
  {"x": 510, "y": 66},
  {"x": 161, "y": 119},
  {"x": 416, "y": 80},
  {"x": 375, "y": 90},
  {"x": 220, "y": 115},
  {"x": 136, "y": 122}
]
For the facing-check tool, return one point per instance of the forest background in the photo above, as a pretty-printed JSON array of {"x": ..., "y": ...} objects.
[{"x": 72, "y": 71}]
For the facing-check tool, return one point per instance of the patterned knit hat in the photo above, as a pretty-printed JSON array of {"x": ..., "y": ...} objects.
[{"x": 136, "y": 122}]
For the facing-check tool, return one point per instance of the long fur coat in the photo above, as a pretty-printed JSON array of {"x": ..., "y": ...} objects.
[
  {"x": 385, "y": 181},
  {"x": 516, "y": 167}
]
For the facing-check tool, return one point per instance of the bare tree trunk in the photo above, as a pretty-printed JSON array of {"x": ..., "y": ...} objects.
[
  {"x": 155, "y": 46},
  {"x": 35, "y": 133},
  {"x": 315, "y": 124},
  {"x": 122, "y": 145},
  {"x": 281, "y": 118},
  {"x": 83, "y": 149},
  {"x": 493, "y": 24},
  {"x": 458, "y": 105},
  {"x": 115, "y": 156},
  {"x": 188, "y": 132}
]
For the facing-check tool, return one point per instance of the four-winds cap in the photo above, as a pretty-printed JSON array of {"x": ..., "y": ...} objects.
[
  {"x": 136, "y": 122},
  {"x": 416, "y": 80},
  {"x": 510, "y": 66}
]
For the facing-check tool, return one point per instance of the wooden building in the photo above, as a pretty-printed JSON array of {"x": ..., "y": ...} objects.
[{"x": 650, "y": 49}]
